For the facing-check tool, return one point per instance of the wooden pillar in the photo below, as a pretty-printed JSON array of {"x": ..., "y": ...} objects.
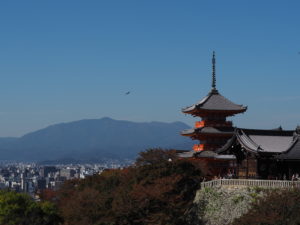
[
  {"x": 257, "y": 168},
  {"x": 247, "y": 167}
]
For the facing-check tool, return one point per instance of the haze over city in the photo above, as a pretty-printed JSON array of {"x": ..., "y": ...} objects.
[{"x": 65, "y": 61}]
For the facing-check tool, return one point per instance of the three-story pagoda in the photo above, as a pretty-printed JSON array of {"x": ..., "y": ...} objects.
[{"x": 213, "y": 130}]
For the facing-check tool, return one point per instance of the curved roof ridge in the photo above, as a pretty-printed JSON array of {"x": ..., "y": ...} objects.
[
  {"x": 227, "y": 144},
  {"x": 266, "y": 140},
  {"x": 241, "y": 105},
  {"x": 292, "y": 145},
  {"x": 247, "y": 139},
  {"x": 203, "y": 100},
  {"x": 293, "y": 152},
  {"x": 214, "y": 101},
  {"x": 267, "y": 131}
]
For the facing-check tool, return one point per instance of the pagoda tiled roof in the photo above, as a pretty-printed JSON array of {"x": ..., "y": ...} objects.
[
  {"x": 208, "y": 130},
  {"x": 214, "y": 101}
]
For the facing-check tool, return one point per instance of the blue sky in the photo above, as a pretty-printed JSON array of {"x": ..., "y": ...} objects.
[{"x": 64, "y": 60}]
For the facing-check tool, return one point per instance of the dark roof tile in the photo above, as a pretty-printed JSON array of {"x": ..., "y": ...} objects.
[
  {"x": 268, "y": 141},
  {"x": 215, "y": 101},
  {"x": 209, "y": 130}
]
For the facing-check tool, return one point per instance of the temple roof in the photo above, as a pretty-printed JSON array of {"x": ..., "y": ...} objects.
[
  {"x": 214, "y": 101},
  {"x": 208, "y": 130},
  {"x": 265, "y": 141},
  {"x": 293, "y": 153}
]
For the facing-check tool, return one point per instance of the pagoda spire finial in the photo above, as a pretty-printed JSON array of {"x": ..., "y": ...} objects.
[{"x": 213, "y": 85}]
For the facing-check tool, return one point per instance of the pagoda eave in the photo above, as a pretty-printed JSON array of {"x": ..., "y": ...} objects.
[
  {"x": 206, "y": 112},
  {"x": 203, "y": 135}
]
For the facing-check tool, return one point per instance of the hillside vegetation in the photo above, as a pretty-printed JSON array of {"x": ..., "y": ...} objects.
[{"x": 158, "y": 190}]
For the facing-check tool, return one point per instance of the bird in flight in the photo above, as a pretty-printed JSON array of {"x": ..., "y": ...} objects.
[{"x": 127, "y": 93}]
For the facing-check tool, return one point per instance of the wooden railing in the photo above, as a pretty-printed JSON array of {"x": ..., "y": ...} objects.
[
  {"x": 198, "y": 147},
  {"x": 206, "y": 123},
  {"x": 202, "y": 147},
  {"x": 251, "y": 183}
]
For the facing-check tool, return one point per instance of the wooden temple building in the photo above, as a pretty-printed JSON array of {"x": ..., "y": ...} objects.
[
  {"x": 213, "y": 130},
  {"x": 265, "y": 154},
  {"x": 240, "y": 153}
]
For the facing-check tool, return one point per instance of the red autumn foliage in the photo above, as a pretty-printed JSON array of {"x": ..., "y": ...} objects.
[
  {"x": 154, "y": 191},
  {"x": 47, "y": 195}
]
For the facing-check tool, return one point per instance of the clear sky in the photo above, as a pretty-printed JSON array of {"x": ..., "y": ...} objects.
[{"x": 62, "y": 61}]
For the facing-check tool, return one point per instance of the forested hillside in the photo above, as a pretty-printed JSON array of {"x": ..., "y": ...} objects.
[{"x": 158, "y": 190}]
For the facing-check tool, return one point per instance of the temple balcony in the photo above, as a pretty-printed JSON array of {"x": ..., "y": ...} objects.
[
  {"x": 202, "y": 147},
  {"x": 209, "y": 123},
  {"x": 198, "y": 147}
]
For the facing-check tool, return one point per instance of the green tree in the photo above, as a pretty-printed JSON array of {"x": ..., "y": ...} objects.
[{"x": 20, "y": 209}]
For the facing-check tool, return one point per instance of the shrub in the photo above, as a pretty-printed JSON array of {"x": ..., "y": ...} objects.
[{"x": 20, "y": 209}]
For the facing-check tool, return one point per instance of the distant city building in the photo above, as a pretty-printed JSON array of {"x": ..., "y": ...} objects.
[
  {"x": 41, "y": 183},
  {"x": 46, "y": 170},
  {"x": 31, "y": 178},
  {"x": 67, "y": 173}
]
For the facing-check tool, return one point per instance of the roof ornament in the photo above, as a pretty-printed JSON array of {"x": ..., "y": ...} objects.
[
  {"x": 213, "y": 85},
  {"x": 259, "y": 148}
]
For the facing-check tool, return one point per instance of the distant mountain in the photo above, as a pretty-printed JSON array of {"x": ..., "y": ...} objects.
[{"x": 94, "y": 139}]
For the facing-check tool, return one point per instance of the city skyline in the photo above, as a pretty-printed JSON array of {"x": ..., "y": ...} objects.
[{"x": 68, "y": 61}]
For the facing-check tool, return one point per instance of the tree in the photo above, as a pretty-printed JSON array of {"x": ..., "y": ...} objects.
[
  {"x": 89, "y": 201},
  {"x": 20, "y": 209},
  {"x": 155, "y": 156},
  {"x": 155, "y": 190}
]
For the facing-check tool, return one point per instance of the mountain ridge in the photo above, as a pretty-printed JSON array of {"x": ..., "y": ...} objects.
[{"x": 94, "y": 138}]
